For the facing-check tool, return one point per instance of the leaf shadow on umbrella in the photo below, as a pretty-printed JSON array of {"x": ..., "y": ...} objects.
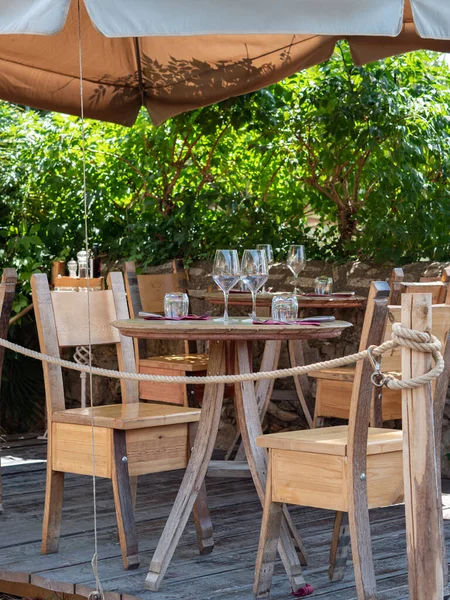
[{"x": 193, "y": 81}]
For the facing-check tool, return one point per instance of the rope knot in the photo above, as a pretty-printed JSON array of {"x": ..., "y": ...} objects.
[{"x": 421, "y": 341}]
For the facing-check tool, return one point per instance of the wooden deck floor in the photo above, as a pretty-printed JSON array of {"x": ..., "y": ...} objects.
[{"x": 226, "y": 574}]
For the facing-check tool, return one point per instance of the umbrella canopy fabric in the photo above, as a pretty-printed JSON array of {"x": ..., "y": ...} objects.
[{"x": 174, "y": 56}]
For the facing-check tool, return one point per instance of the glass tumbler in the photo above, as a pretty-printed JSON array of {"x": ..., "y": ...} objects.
[
  {"x": 284, "y": 307},
  {"x": 176, "y": 304},
  {"x": 323, "y": 285},
  {"x": 82, "y": 258},
  {"x": 72, "y": 265}
]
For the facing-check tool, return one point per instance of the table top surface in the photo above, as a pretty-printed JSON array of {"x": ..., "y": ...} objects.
[
  {"x": 304, "y": 301},
  {"x": 238, "y": 328}
]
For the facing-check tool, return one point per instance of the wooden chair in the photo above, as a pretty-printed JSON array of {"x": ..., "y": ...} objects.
[
  {"x": 7, "y": 292},
  {"x": 346, "y": 468},
  {"x": 334, "y": 386},
  {"x": 146, "y": 293},
  {"x": 131, "y": 438}
]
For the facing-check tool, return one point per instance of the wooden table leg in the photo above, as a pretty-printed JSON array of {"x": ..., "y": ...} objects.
[
  {"x": 264, "y": 387},
  {"x": 297, "y": 359},
  {"x": 195, "y": 471},
  {"x": 248, "y": 418}
]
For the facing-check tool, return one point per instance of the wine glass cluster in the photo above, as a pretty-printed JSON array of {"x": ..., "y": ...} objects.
[{"x": 253, "y": 270}]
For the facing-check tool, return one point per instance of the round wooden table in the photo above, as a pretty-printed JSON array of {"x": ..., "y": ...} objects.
[{"x": 229, "y": 350}]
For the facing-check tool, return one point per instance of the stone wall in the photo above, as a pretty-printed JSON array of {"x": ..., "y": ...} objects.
[{"x": 284, "y": 412}]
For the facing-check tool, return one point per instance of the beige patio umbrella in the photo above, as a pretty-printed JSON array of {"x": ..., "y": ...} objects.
[{"x": 177, "y": 55}]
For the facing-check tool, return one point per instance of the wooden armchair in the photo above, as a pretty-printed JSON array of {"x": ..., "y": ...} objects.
[
  {"x": 131, "y": 438},
  {"x": 7, "y": 292},
  {"x": 146, "y": 293},
  {"x": 334, "y": 386},
  {"x": 346, "y": 468}
]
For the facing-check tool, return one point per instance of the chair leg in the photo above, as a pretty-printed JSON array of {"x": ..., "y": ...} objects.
[
  {"x": 340, "y": 547},
  {"x": 54, "y": 494},
  {"x": 358, "y": 515},
  {"x": 123, "y": 501},
  {"x": 268, "y": 541},
  {"x": 202, "y": 518},
  {"x": 318, "y": 422}
]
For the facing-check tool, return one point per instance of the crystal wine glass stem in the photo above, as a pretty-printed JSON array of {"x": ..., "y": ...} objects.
[
  {"x": 295, "y": 283},
  {"x": 225, "y": 310},
  {"x": 253, "y": 303},
  {"x": 264, "y": 286}
]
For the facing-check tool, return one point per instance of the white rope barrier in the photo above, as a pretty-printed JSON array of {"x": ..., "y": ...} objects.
[{"x": 401, "y": 336}]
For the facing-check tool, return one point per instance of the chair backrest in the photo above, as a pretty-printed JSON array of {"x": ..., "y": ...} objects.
[
  {"x": 7, "y": 292},
  {"x": 445, "y": 276},
  {"x": 380, "y": 291},
  {"x": 437, "y": 289},
  {"x": 74, "y": 319},
  {"x": 146, "y": 292},
  {"x": 397, "y": 276}
]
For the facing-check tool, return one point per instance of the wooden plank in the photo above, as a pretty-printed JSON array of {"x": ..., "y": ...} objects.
[
  {"x": 249, "y": 423},
  {"x": 179, "y": 362},
  {"x": 72, "y": 449},
  {"x": 422, "y": 502},
  {"x": 268, "y": 540},
  {"x": 157, "y": 449},
  {"x": 340, "y": 547},
  {"x": 340, "y": 374},
  {"x": 195, "y": 471},
  {"x": 358, "y": 503},
  {"x": 128, "y": 416},
  {"x": 153, "y": 288},
  {"x": 125, "y": 346},
  {"x": 332, "y": 440},
  {"x": 297, "y": 359},
  {"x": 200, "y": 511},
  {"x": 308, "y": 479},
  {"x": 123, "y": 501},
  {"x": 7, "y": 292},
  {"x": 134, "y": 303},
  {"x": 175, "y": 393},
  {"x": 71, "y": 318},
  {"x": 229, "y": 468},
  {"x": 93, "y": 283}
]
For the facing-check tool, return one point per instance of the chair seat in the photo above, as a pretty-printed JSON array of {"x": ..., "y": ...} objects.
[
  {"x": 340, "y": 374},
  {"x": 128, "y": 416},
  {"x": 177, "y": 362},
  {"x": 331, "y": 440}
]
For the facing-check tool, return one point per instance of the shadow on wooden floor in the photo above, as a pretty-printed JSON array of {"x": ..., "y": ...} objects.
[{"x": 226, "y": 574}]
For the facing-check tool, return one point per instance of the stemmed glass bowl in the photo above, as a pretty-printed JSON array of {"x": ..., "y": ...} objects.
[
  {"x": 254, "y": 272},
  {"x": 226, "y": 273}
]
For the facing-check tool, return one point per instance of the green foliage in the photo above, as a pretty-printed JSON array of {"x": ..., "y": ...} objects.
[{"x": 364, "y": 149}]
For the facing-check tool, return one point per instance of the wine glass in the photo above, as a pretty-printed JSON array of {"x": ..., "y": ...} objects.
[
  {"x": 226, "y": 273},
  {"x": 296, "y": 262},
  {"x": 269, "y": 254},
  {"x": 254, "y": 272}
]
